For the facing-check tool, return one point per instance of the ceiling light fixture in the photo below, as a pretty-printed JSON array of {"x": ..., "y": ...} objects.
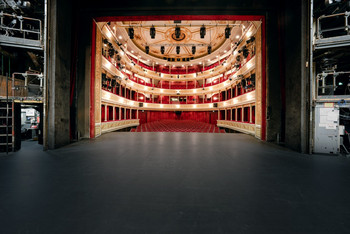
[
  {"x": 209, "y": 49},
  {"x": 131, "y": 33},
  {"x": 178, "y": 49},
  {"x": 227, "y": 32},
  {"x": 202, "y": 31},
  {"x": 152, "y": 32},
  {"x": 177, "y": 32}
]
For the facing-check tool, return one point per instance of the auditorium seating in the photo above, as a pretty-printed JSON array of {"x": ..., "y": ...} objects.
[{"x": 168, "y": 125}]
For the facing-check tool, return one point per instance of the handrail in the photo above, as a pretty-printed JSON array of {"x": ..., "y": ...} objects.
[{"x": 21, "y": 31}]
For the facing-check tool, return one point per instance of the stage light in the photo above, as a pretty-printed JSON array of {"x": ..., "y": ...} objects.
[
  {"x": 193, "y": 49},
  {"x": 178, "y": 49},
  {"x": 202, "y": 31},
  {"x": 162, "y": 49},
  {"x": 131, "y": 33},
  {"x": 147, "y": 49},
  {"x": 177, "y": 32},
  {"x": 152, "y": 32},
  {"x": 227, "y": 32},
  {"x": 209, "y": 49}
]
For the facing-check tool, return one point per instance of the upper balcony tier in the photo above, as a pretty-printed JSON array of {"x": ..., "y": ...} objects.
[
  {"x": 222, "y": 64},
  {"x": 133, "y": 82}
]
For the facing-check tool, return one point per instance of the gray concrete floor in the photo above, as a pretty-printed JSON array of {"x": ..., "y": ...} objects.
[{"x": 173, "y": 183}]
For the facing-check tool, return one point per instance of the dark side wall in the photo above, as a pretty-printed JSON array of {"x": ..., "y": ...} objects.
[
  {"x": 283, "y": 45},
  {"x": 58, "y": 65}
]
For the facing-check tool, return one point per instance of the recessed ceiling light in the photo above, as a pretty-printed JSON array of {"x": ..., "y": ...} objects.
[
  {"x": 191, "y": 64},
  {"x": 120, "y": 37},
  {"x": 237, "y": 37},
  {"x": 147, "y": 60},
  {"x": 183, "y": 65},
  {"x": 225, "y": 51},
  {"x": 132, "y": 51},
  {"x": 200, "y": 62},
  {"x": 217, "y": 56},
  {"x": 125, "y": 44},
  {"x": 156, "y": 62},
  {"x": 208, "y": 60}
]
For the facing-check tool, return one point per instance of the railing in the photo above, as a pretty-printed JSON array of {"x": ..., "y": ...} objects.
[
  {"x": 243, "y": 99},
  {"x": 118, "y": 124},
  {"x": 23, "y": 31},
  {"x": 248, "y": 128}
]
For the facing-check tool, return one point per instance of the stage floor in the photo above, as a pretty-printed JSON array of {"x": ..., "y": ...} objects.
[{"x": 173, "y": 183}]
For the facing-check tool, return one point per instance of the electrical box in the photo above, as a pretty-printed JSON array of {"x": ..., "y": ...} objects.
[{"x": 327, "y": 131}]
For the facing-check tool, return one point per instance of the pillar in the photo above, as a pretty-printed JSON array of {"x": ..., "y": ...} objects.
[
  {"x": 106, "y": 110},
  {"x": 120, "y": 113},
  {"x": 250, "y": 114}
]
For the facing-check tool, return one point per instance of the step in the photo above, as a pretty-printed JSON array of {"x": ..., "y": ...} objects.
[
  {"x": 3, "y": 135},
  {"x": 5, "y": 144}
]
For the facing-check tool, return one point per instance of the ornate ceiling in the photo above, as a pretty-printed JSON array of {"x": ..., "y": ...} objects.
[{"x": 190, "y": 36}]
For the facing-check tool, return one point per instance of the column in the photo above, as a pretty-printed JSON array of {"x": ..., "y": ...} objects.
[
  {"x": 242, "y": 114},
  {"x": 218, "y": 114},
  {"x": 231, "y": 114},
  {"x": 225, "y": 114},
  {"x": 124, "y": 113},
  {"x": 137, "y": 113},
  {"x": 236, "y": 114},
  {"x": 130, "y": 114},
  {"x": 250, "y": 114},
  {"x": 106, "y": 108},
  {"x": 120, "y": 113},
  {"x": 113, "y": 113}
]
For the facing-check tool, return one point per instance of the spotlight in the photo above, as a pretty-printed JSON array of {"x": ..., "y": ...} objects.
[
  {"x": 178, "y": 49},
  {"x": 250, "y": 40},
  {"x": 147, "y": 49},
  {"x": 193, "y": 49},
  {"x": 131, "y": 33},
  {"x": 202, "y": 31},
  {"x": 152, "y": 32},
  {"x": 177, "y": 32},
  {"x": 227, "y": 32},
  {"x": 162, "y": 49},
  {"x": 209, "y": 49},
  {"x": 245, "y": 52}
]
